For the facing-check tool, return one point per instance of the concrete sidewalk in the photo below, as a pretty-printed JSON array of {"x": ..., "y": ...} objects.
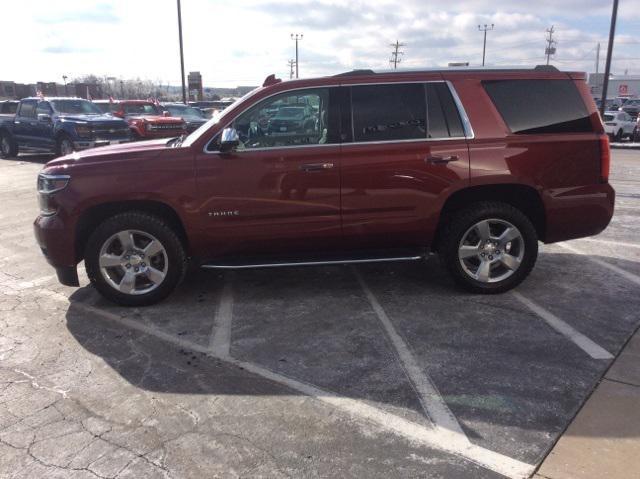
[{"x": 604, "y": 438}]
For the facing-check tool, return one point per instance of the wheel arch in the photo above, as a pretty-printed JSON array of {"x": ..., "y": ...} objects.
[
  {"x": 96, "y": 214},
  {"x": 520, "y": 196}
]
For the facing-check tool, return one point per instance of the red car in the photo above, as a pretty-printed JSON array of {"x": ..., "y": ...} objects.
[
  {"x": 474, "y": 165},
  {"x": 147, "y": 120}
]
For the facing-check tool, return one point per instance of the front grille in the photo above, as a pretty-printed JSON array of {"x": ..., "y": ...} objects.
[
  {"x": 107, "y": 132},
  {"x": 164, "y": 127}
]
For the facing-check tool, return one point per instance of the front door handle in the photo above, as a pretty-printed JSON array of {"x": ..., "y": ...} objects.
[
  {"x": 441, "y": 160},
  {"x": 316, "y": 166}
]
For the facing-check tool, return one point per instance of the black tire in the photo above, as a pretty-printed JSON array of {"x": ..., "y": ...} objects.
[
  {"x": 149, "y": 224},
  {"x": 618, "y": 136},
  {"x": 60, "y": 142},
  {"x": 8, "y": 147},
  {"x": 461, "y": 221}
]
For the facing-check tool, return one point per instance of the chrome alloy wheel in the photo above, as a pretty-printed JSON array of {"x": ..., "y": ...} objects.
[
  {"x": 491, "y": 250},
  {"x": 133, "y": 262},
  {"x": 66, "y": 147}
]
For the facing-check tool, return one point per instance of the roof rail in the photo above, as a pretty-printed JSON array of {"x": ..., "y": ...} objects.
[
  {"x": 546, "y": 68},
  {"x": 355, "y": 72}
]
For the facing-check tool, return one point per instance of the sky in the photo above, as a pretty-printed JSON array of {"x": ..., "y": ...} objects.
[{"x": 241, "y": 42}]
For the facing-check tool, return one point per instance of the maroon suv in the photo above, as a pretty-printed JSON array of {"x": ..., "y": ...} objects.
[{"x": 475, "y": 165}]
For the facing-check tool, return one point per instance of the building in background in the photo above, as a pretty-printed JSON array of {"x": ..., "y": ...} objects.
[
  {"x": 196, "y": 92},
  {"x": 89, "y": 91},
  {"x": 620, "y": 86}
]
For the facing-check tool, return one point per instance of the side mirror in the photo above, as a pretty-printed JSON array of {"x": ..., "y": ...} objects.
[
  {"x": 44, "y": 117},
  {"x": 229, "y": 140},
  {"x": 166, "y": 113}
]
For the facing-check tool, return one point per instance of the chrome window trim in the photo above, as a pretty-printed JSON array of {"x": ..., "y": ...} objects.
[{"x": 466, "y": 124}]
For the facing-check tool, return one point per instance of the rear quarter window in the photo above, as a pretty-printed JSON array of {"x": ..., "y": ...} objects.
[{"x": 539, "y": 106}]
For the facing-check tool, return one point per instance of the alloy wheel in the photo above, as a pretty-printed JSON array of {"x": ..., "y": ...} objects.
[
  {"x": 133, "y": 262},
  {"x": 491, "y": 250}
]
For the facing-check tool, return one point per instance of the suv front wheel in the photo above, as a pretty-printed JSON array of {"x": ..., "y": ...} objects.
[
  {"x": 489, "y": 247},
  {"x": 135, "y": 259}
]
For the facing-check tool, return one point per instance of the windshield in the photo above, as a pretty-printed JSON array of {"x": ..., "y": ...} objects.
[
  {"x": 217, "y": 116},
  {"x": 184, "y": 111},
  {"x": 141, "y": 109},
  {"x": 608, "y": 117},
  {"x": 75, "y": 107}
]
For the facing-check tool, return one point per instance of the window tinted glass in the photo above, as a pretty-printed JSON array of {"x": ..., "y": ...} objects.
[
  {"x": 141, "y": 109},
  {"x": 444, "y": 119},
  {"x": 28, "y": 108},
  {"x": 75, "y": 107},
  {"x": 388, "y": 112},
  {"x": 43, "y": 107},
  {"x": 289, "y": 119},
  {"x": 540, "y": 106}
]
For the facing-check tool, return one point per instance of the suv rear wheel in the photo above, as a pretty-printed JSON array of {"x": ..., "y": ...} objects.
[
  {"x": 135, "y": 259},
  {"x": 489, "y": 247}
]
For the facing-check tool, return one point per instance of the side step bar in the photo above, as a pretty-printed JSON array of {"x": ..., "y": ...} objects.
[{"x": 312, "y": 263}]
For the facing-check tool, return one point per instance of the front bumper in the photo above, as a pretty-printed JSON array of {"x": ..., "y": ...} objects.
[{"x": 57, "y": 243}]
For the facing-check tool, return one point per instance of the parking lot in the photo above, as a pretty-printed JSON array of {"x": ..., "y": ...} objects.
[{"x": 371, "y": 371}]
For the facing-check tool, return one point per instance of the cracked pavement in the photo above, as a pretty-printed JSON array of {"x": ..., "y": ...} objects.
[{"x": 311, "y": 384}]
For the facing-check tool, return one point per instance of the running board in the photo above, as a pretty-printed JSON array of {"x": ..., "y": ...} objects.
[{"x": 312, "y": 263}]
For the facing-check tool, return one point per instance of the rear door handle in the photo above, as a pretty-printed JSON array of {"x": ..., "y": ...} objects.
[
  {"x": 441, "y": 160},
  {"x": 316, "y": 166}
]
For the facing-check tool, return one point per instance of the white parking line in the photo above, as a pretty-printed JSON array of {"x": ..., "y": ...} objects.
[
  {"x": 583, "y": 342},
  {"x": 630, "y": 276},
  {"x": 612, "y": 243},
  {"x": 358, "y": 410},
  {"x": 220, "y": 339},
  {"x": 430, "y": 399}
]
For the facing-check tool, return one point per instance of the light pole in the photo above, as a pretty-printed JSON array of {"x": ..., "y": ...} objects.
[
  {"x": 607, "y": 68},
  {"x": 184, "y": 88},
  {"x": 485, "y": 29},
  {"x": 296, "y": 37},
  {"x": 64, "y": 79}
]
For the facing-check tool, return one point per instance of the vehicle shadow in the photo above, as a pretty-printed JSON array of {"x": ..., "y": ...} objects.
[{"x": 497, "y": 365}]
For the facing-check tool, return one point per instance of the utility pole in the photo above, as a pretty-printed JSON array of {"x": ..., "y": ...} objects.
[
  {"x": 550, "y": 50},
  {"x": 607, "y": 68},
  {"x": 64, "y": 79},
  {"x": 184, "y": 88},
  {"x": 395, "y": 54},
  {"x": 486, "y": 28},
  {"x": 597, "y": 65},
  {"x": 297, "y": 37},
  {"x": 291, "y": 64},
  {"x": 121, "y": 89}
]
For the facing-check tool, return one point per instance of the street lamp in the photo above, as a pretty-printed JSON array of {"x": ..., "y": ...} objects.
[
  {"x": 64, "y": 79},
  {"x": 484, "y": 46},
  {"x": 297, "y": 38}
]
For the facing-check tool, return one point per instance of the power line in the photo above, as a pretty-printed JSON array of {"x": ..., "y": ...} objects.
[
  {"x": 551, "y": 49},
  {"x": 395, "y": 54}
]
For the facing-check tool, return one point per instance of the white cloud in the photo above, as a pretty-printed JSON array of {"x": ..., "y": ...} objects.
[{"x": 242, "y": 42}]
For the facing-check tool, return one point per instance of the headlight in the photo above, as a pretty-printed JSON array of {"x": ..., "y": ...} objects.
[
  {"x": 83, "y": 131},
  {"x": 47, "y": 186}
]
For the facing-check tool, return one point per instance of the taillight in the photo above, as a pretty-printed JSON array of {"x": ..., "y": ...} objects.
[{"x": 605, "y": 158}]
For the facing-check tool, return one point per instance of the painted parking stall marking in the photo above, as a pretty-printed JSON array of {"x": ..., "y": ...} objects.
[
  {"x": 625, "y": 274},
  {"x": 583, "y": 342}
]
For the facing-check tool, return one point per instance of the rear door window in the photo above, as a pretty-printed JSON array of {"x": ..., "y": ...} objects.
[
  {"x": 539, "y": 106},
  {"x": 389, "y": 112}
]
